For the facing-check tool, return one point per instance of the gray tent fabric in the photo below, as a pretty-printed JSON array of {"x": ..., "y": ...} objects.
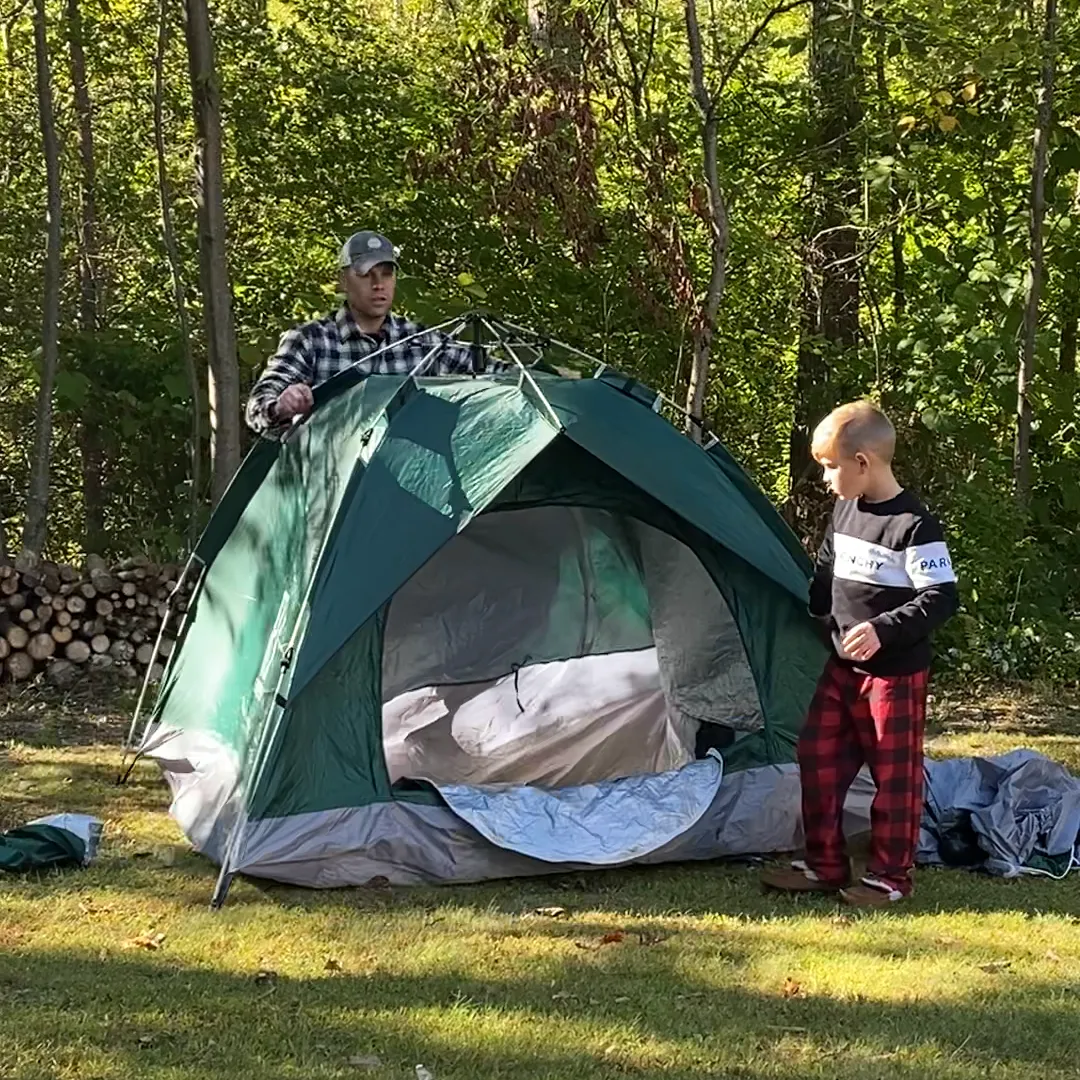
[
  {"x": 603, "y": 824},
  {"x": 1018, "y": 813}
]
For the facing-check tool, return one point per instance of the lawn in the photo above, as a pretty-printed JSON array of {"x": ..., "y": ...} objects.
[{"x": 120, "y": 970}]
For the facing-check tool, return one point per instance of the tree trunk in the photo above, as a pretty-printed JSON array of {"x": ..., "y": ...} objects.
[
  {"x": 1070, "y": 309},
  {"x": 705, "y": 328},
  {"x": 892, "y": 147},
  {"x": 1044, "y": 116},
  {"x": 1070, "y": 319},
  {"x": 168, "y": 236},
  {"x": 37, "y": 502},
  {"x": 224, "y": 375},
  {"x": 90, "y": 447},
  {"x": 88, "y": 241},
  {"x": 830, "y": 299}
]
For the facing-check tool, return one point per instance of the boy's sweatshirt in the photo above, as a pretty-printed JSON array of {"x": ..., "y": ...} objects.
[{"x": 885, "y": 563}]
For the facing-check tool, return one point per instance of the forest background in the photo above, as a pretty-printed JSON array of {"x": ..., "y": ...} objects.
[{"x": 759, "y": 210}]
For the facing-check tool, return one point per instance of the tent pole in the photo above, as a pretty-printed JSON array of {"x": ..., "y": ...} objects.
[
  {"x": 527, "y": 374},
  {"x": 129, "y": 742},
  {"x": 456, "y": 323},
  {"x": 438, "y": 347}
]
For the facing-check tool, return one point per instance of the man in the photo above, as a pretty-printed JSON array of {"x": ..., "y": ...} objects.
[{"x": 363, "y": 333}]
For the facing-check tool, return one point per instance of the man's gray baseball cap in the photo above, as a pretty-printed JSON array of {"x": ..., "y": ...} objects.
[{"x": 364, "y": 250}]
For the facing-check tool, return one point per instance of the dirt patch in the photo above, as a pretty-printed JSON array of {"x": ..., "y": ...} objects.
[{"x": 96, "y": 712}]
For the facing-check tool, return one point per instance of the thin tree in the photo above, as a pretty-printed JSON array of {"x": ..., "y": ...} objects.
[
  {"x": 37, "y": 500},
  {"x": 719, "y": 233},
  {"x": 89, "y": 286},
  {"x": 829, "y": 321},
  {"x": 1043, "y": 119},
  {"x": 168, "y": 236},
  {"x": 223, "y": 369}
]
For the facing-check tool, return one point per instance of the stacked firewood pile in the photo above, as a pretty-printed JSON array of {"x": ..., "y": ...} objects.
[{"x": 59, "y": 621}]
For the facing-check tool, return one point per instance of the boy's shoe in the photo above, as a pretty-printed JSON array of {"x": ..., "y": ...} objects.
[
  {"x": 870, "y": 893},
  {"x": 798, "y": 878}
]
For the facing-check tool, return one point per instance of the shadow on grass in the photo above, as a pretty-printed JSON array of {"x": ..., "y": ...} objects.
[{"x": 126, "y": 1016}]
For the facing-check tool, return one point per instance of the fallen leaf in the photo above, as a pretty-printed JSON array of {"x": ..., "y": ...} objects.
[
  {"x": 332, "y": 964},
  {"x": 265, "y": 975},
  {"x": 791, "y": 988},
  {"x": 1053, "y": 956},
  {"x": 613, "y": 938},
  {"x": 377, "y": 882},
  {"x": 146, "y": 941},
  {"x": 621, "y": 1000},
  {"x": 994, "y": 966},
  {"x": 365, "y": 1061}
]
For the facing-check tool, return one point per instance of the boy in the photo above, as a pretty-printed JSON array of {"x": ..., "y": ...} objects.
[{"x": 883, "y": 583}]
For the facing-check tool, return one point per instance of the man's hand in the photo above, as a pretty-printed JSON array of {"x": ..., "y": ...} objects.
[
  {"x": 861, "y": 642},
  {"x": 295, "y": 400}
]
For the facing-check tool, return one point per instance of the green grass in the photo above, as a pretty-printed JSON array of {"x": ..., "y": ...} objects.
[{"x": 708, "y": 977}]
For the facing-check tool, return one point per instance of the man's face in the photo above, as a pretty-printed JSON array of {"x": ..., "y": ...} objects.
[{"x": 372, "y": 294}]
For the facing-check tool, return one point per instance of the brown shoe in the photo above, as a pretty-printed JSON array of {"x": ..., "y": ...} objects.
[
  {"x": 797, "y": 878},
  {"x": 867, "y": 896}
]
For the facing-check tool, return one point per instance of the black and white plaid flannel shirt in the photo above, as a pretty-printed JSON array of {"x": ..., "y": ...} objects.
[{"x": 316, "y": 351}]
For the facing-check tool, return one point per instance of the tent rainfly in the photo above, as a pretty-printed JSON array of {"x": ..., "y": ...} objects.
[{"x": 460, "y": 628}]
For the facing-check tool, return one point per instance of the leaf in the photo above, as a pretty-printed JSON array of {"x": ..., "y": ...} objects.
[
  {"x": 791, "y": 988},
  {"x": 176, "y": 386},
  {"x": 621, "y": 1000},
  {"x": 332, "y": 964},
  {"x": 613, "y": 938},
  {"x": 71, "y": 389},
  {"x": 995, "y": 966},
  {"x": 969, "y": 91},
  {"x": 564, "y": 995},
  {"x": 948, "y": 123},
  {"x": 551, "y": 912},
  {"x": 907, "y": 124},
  {"x": 1053, "y": 956},
  {"x": 149, "y": 941},
  {"x": 943, "y": 97},
  {"x": 465, "y": 280},
  {"x": 797, "y": 45},
  {"x": 365, "y": 1061}
]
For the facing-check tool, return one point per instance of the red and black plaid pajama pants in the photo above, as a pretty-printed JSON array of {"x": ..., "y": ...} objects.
[{"x": 876, "y": 720}]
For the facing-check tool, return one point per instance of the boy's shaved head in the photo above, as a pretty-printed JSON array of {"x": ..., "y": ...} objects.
[{"x": 858, "y": 427}]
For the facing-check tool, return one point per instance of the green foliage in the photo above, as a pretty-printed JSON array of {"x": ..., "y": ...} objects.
[{"x": 560, "y": 183}]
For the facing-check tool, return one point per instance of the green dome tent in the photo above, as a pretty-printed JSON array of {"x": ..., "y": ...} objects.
[{"x": 470, "y": 627}]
